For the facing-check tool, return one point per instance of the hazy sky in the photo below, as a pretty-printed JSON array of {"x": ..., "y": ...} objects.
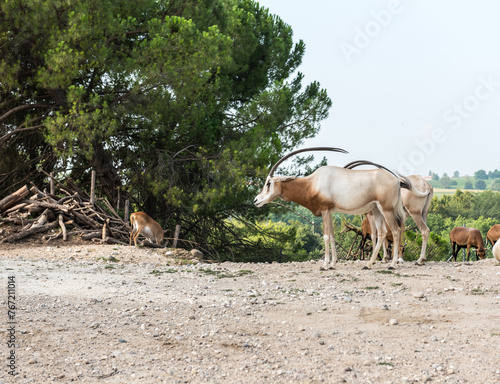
[{"x": 415, "y": 85}]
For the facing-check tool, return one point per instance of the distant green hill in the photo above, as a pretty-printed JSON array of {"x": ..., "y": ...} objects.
[{"x": 444, "y": 184}]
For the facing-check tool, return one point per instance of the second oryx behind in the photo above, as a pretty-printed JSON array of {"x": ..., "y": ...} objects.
[{"x": 332, "y": 189}]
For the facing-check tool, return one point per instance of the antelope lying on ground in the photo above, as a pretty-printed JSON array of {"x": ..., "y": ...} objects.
[
  {"x": 493, "y": 234},
  {"x": 332, "y": 189},
  {"x": 145, "y": 225},
  {"x": 463, "y": 237},
  {"x": 416, "y": 205}
]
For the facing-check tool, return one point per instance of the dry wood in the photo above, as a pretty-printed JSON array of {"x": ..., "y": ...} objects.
[
  {"x": 92, "y": 187},
  {"x": 87, "y": 220},
  {"x": 32, "y": 211},
  {"x": 17, "y": 207},
  {"x": 152, "y": 245},
  {"x": 63, "y": 227},
  {"x": 53, "y": 237},
  {"x": 104, "y": 231},
  {"x": 29, "y": 232},
  {"x": 59, "y": 207},
  {"x": 42, "y": 219},
  {"x": 13, "y": 198},
  {"x": 92, "y": 235},
  {"x": 52, "y": 189},
  {"x": 176, "y": 235},
  {"x": 126, "y": 214}
]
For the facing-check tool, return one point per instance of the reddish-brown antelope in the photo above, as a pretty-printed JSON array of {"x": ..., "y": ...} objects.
[
  {"x": 493, "y": 234},
  {"x": 332, "y": 189},
  {"x": 463, "y": 237},
  {"x": 145, "y": 225}
]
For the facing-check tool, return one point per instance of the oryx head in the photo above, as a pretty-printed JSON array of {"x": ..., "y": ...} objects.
[{"x": 272, "y": 188}]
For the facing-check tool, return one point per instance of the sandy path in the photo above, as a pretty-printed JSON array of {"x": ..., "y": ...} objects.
[{"x": 142, "y": 319}]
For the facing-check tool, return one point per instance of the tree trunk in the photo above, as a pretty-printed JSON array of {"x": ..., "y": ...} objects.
[{"x": 106, "y": 172}]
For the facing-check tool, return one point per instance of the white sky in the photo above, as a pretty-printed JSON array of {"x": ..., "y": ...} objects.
[{"x": 415, "y": 85}]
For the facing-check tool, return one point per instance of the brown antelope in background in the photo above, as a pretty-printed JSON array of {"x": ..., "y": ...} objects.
[
  {"x": 463, "y": 237},
  {"x": 145, "y": 225},
  {"x": 493, "y": 234}
]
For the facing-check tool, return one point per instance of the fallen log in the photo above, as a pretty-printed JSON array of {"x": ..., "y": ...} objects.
[
  {"x": 30, "y": 232},
  {"x": 108, "y": 240},
  {"x": 13, "y": 198},
  {"x": 92, "y": 235},
  {"x": 60, "y": 207}
]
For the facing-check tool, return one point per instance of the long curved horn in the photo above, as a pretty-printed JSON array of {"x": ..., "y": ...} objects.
[
  {"x": 358, "y": 163},
  {"x": 275, "y": 166}
]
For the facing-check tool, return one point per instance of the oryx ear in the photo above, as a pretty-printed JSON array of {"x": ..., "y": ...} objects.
[{"x": 284, "y": 178}]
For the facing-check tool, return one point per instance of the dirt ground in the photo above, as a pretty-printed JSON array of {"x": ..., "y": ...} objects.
[{"x": 111, "y": 314}]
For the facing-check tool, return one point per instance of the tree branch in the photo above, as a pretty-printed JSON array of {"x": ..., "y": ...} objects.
[{"x": 23, "y": 107}]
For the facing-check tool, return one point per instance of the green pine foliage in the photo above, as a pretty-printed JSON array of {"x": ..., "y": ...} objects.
[{"x": 179, "y": 106}]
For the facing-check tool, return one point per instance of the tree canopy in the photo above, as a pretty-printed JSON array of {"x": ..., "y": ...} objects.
[{"x": 180, "y": 106}]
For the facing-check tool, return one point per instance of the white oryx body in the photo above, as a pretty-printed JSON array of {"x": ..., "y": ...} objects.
[
  {"x": 416, "y": 203},
  {"x": 332, "y": 189},
  {"x": 496, "y": 251}
]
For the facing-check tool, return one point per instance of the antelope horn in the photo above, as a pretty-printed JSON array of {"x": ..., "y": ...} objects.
[
  {"x": 275, "y": 166},
  {"x": 358, "y": 163}
]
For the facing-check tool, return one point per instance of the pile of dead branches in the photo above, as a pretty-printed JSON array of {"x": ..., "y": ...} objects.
[{"x": 30, "y": 212}]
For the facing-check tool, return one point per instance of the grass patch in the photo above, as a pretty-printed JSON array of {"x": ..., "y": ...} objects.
[
  {"x": 385, "y": 272},
  {"x": 158, "y": 273},
  {"x": 386, "y": 363},
  {"x": 477, "y": 291},
  {"x": 371, "y": 288},
  {"x": 388, "y": 272},
  {"x": 110, "y": 259},
  {"x": 225, "y": 275}
]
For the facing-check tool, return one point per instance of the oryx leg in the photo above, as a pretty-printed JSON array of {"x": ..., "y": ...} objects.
[
  {"x": 400, "y": 242},
  {"x": 329, "y": 238},
  {"x": 390, "y": 218},
  {"x": 379, "y": 225},
  {"x": 374, "y": 235},
  {"x": 425, "y": 231},
  {"x": 385, "y": 259}
]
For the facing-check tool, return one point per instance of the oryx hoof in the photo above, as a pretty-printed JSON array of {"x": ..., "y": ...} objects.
[
  {"x": 330, "y": 268},
  {"x": 418, "y": 262},
  {"x": 366, "y": 267},
  {"x": 390, "y": 268}
]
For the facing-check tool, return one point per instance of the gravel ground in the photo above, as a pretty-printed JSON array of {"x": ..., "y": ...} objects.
[{"x": 111, "y": 314}]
